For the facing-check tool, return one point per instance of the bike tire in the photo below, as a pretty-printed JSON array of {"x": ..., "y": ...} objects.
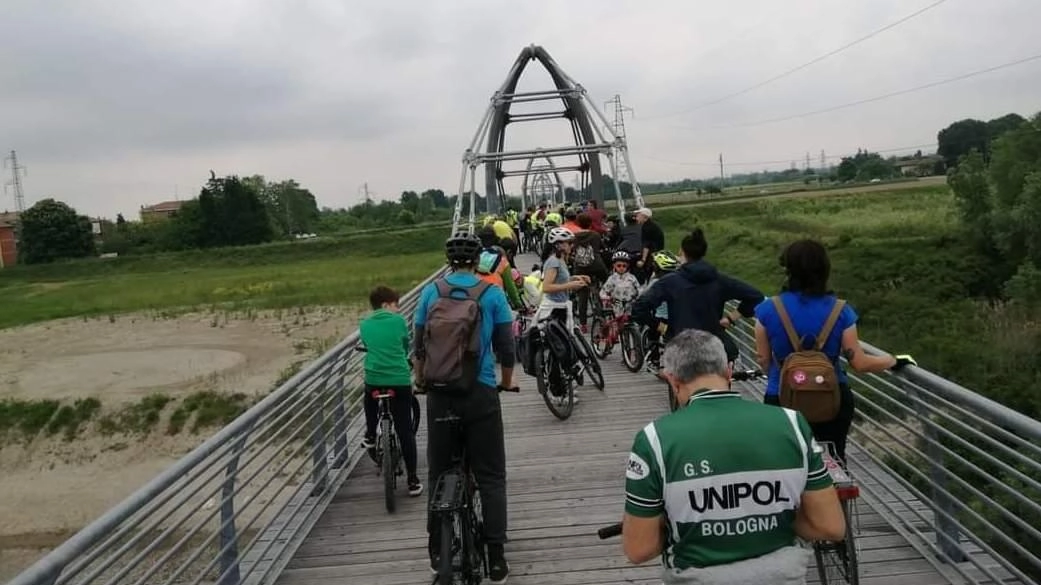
[
  {"x": 596, "y": 338},
  {"x": 445, "y": 571},
  {"x": 632, "y": 348},
  {"x": 545, "y": 364},
  {"x": 417, "y": 412},
  {"x": 390, "y": 476},
  {"x": 838, "y": 562},
  {"x": 474, "y": 547},
  {"x": 592, "y": 365}
]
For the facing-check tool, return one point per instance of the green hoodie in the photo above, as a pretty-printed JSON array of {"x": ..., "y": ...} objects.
[{"x": 385, "y": 335}]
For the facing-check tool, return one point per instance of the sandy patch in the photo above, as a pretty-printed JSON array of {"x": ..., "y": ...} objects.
[{"x": 118, "y": 362}]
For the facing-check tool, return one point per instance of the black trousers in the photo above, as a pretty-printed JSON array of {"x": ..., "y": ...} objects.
[
  {"x": 835, "y": 430},
  {"x": 481, "y": 426},
  {"x": 401, "y": 410}
]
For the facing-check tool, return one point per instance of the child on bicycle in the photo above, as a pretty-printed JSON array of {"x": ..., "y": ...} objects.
[
  {"x": 386, "y": 338},
  {"x": 621, "y": 287},
  {"x": 661, "y": 262}
]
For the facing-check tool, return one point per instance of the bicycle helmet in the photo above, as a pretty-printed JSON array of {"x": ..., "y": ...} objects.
[
  {"x": 559, "y": 234},
  {"x": 462, "y": 248},
  {"x": 666, "y": 261},
  {"x": 620, "y": 256}
]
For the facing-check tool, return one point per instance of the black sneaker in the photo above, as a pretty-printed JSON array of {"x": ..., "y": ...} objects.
[
  {"x": 498, "y": 568},
  {"x": 415, "y": 488}
]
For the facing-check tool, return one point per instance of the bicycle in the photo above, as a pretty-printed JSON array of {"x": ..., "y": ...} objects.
[
  {"x": 837, "y": 562},
  {"x": 612, "y": 326},
  {"x": 387, "y": 452},
  {"x": 556, "y": 379},
  {"x": 462, "y": 557}
]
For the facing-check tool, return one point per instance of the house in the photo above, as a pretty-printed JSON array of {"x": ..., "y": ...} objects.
[
  {"x": 8, "y": 239},
  {"x": 918, "y": 167},
  {"x": 160, "y": 211}
]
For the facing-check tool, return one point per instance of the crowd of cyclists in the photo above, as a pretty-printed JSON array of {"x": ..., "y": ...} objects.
[{"x": 753, "y": 470}]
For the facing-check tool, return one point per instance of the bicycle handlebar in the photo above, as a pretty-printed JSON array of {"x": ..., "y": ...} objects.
[
  {"x": 746, "y": 375},
  {"x": 610, "y": 531}
]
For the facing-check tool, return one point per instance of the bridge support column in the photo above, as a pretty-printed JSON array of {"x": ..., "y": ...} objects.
[
  {"x": 947, "y": 533},
  {"x": 319, "y": 462},
  {"x": 229, "y": 555}
]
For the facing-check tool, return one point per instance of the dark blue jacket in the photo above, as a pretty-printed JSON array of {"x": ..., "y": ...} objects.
[{"x": 696, "y": 295}]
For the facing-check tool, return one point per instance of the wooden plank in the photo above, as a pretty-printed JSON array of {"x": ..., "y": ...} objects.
[{"x": 564, "y": 480}]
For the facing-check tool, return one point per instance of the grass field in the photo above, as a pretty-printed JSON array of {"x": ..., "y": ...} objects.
[{"x": 278, "y": 275}]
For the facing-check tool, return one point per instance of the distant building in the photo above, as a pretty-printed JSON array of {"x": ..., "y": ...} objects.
[
  {"x": 918, "y": 167},
  {"x": 8, "y": 240},
  {"x": 160, "y": 211}
]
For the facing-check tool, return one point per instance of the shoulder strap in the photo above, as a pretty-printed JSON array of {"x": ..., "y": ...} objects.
[
  {"x": 822, "y": 337},
  {"x": 786, "y": 321},
  {"x": 477, "y": 291},
  {"x": 444, "y": 288}
]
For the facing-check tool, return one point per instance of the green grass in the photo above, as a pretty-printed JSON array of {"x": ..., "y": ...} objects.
[
  {"x": 138, "y": 418},
  {"x": 32, "y": 296},
  {"x": 210, "y": 409}
]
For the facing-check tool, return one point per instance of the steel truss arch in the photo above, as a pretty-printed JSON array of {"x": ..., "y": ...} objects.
[{"x": 593, "y": 133}]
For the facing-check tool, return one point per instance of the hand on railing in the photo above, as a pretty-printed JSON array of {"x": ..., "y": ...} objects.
[{"x": 903, "y": 361}]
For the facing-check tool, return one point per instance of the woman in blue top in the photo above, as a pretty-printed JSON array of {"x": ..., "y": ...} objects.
[{"x": 808, "y": 302}]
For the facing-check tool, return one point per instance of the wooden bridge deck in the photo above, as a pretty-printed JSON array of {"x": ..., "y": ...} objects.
[{"x": 565, "y": 479}]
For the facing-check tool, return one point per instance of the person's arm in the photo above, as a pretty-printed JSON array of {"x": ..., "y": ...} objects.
[
  {"x": 643, "y": 523},
  {"x": 747, "y": 296},
  {"x": 548, "y": 286},
  {"x": 419, "y": 321},
  {"x": 502, "y": 334},
  {"x": 647, "y": 303},
  {"x": 858, "y": 358},
  {"x": 819, "y": 515},
  {"x": 509, "y": 286}
]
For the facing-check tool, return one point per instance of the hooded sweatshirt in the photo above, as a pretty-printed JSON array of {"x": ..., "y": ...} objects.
[
  {"x": 597, "y": 268},
  {"x": 696, "y": 295},
  {"x": 385, "y": 335}
]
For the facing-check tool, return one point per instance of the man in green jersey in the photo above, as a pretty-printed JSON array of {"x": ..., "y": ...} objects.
[{"x": 722, "y": 487}]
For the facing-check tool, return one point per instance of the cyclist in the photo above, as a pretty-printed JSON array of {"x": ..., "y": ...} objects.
[
  {"x": 385, "y": 336},
  {"x": 478, "y": 406},
  {"x": 557, "y": 281},
  {"x": 651, "y": 236},
  {"x": 493, "y": 266},
  {"x": 722, "y": 505},
  {"x": 662, "y": 263},
  {"x": 504, "y": 232},
  {"x": 586, "y": 259},
  {"x": 621, "y": 287},
  {"x": 808, "y": 303},
  {"x": 697, "y": 295}
]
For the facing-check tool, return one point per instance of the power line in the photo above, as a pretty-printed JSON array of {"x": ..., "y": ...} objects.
[
  {"x": 785, "y": 160},
  {"x": 806, "y": 64},
  {"x": 17, "y": 171},
  {"x": 880, "y": 97}
]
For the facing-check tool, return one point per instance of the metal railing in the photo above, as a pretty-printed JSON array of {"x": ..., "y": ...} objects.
[
  {"x": 235, "y": 508},
  {"x": 956, "y": 473}
]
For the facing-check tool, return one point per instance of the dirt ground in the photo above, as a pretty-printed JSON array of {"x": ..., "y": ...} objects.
[{"x": 50, "y": 488}]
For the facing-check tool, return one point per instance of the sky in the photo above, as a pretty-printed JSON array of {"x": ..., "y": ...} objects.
[{"x": 114, "y": 104}]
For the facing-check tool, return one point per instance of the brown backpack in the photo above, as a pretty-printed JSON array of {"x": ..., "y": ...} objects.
[
  {"x": 452, "y": 337},
  {"x": 809, "y": 382}
]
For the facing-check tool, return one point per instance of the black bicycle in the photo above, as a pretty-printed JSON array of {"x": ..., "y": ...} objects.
[
  {"x": 387, "y": 451},
  {"x": 462, "y": 558},
  {"x": 556, "y": 377}
]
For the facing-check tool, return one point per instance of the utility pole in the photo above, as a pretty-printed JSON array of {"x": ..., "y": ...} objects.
[
  {"x": 721, "y": 176},
  {"x": 618, "y": 151},
  {"x": 807, "y": 160},
  {"x": 17, "y": 171}
]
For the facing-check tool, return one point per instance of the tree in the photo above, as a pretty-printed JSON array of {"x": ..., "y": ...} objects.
[
  {"x": 121, "y": 222},
  {"x": 51, "y": 230},
  {"x": 999, "y": 126},
  {"x": 228, "y": 213},
  {"x": 959, "y": 138}
]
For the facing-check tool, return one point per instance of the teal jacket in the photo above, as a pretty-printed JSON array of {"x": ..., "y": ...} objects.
[{"x": 385, "y": 335}]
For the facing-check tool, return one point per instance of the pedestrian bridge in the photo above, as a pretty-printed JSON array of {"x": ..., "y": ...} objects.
[{"x": 950, "y": 485}]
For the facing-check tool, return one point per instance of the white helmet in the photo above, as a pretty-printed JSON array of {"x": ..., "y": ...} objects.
[{"x": 559, "y": 234}]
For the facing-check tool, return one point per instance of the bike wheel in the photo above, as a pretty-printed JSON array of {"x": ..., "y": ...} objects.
[
  {"x": 558, "y": 394},
  {"x": 838, "y": 562},
  {"x": 592, "y": 365},
  {"x": 597, "y": 339},
  {"x": 416, "y": 414},
  {"x": 476, "y": 552},
  {"x": 632, "y": 348},
  {"x": 389, "y": 471},
  {"x": 445, "y": 571}
]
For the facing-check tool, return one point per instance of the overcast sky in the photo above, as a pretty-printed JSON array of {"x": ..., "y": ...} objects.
[{"x": 112, "y": 104}]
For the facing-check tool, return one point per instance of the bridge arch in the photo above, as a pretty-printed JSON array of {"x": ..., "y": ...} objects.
[{"x": 594, "y": 137}]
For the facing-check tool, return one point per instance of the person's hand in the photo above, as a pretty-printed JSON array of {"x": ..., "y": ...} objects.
[
  {"x": 585, "y": 278},
  {"x": 662, "y": 328},
  {"x": 639, "y": 263},
  {"x": 725, "y": 322},
  {"x": 903, "y": 361}
]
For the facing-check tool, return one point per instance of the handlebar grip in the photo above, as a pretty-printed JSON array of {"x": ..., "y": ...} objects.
[{"x": 609, "y": 531}]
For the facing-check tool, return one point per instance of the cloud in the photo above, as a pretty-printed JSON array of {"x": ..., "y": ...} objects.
[{"x": 118, "y": 103}]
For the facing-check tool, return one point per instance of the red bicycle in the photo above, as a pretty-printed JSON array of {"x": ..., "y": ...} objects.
[{"x": 612, "y": 326}]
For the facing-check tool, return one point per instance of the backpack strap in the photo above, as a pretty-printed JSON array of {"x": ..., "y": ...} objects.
[
  {"x": 822, "y": 337},
  {"x": 786, "y": 321}
]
